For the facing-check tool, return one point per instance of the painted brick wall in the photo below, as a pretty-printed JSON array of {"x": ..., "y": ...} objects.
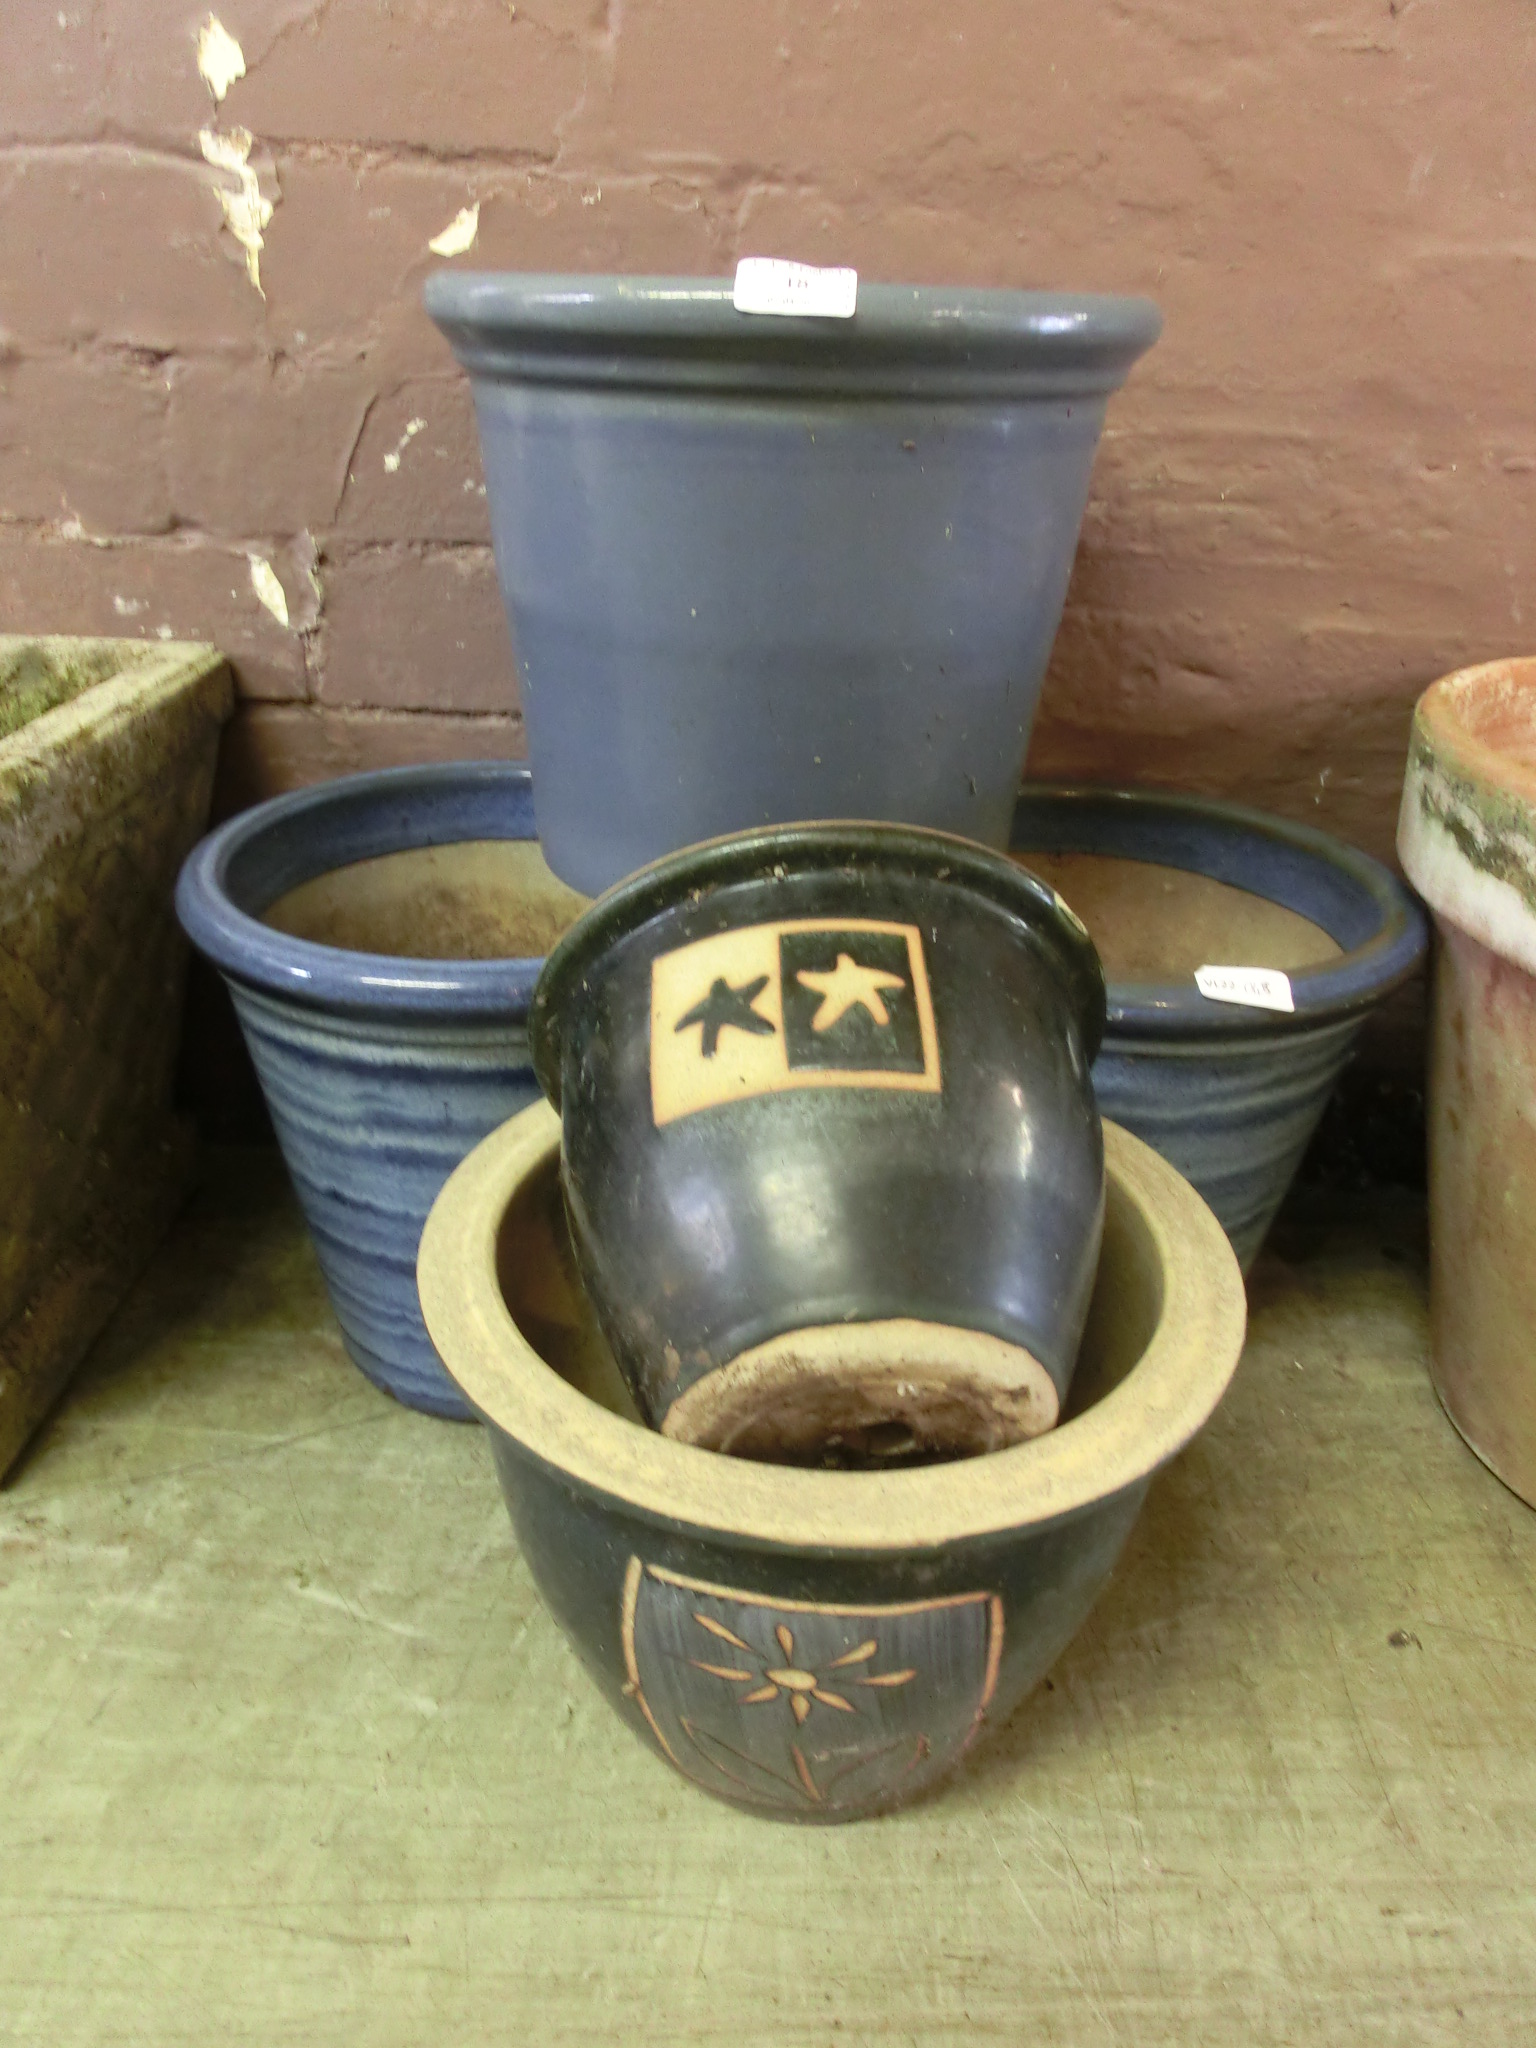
[{"x": 1316, "y": 494}]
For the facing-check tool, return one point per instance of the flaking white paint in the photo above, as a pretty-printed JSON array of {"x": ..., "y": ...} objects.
[
  {"x": 247, "y": 210},
  {"x": 268, "y": 589},
  {"x": 459, "y": 234},
  {"x": 220, "y": 58}
]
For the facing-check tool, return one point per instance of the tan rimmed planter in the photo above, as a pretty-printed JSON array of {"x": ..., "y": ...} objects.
[
  {"x": 107, "y": 752},
  {"x": 811, "y": 1644},
  {"x": 1467, "y": 840}
]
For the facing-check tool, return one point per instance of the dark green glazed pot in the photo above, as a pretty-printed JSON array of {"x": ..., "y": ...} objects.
[
  {"x": 831, "y": 1155},
  {"x": 816, "y": 1645}
]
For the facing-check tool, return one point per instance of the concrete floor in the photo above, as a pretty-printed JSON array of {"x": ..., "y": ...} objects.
[{"x": 289, "y": 1750}]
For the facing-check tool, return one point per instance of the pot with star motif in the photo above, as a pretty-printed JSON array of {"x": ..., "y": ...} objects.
[{"x": 831, "y": 1156}]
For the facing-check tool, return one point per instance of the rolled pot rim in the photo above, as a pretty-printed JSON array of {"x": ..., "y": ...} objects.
[
  {"x": 603, "y": 329},
  {"x": 1119, "y": 1442},
  {"x": 230, "y": 933},
  {"x": 1467, "y": 826},
  {"x": 773, "y": 852},
  {"x": 1142, "y": 824}
]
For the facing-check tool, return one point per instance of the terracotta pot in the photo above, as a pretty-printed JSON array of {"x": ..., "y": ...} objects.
[
  {"x": 381, "y": 936},
  {"x": 816, "y": 1645},
  {"x": 1467, "y": 839},
  {"x": 831, "y": 1156},
  {"x": 767, "y": 569},
  {"x": 1167, "y": 884}
]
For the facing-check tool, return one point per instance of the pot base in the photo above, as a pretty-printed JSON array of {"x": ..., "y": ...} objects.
[{"x": 897, "y": 1391}]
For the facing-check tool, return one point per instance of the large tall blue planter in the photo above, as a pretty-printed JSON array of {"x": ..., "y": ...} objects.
[
  {"x": 380, "y": 1072},
  {"x": 761, "y": 570},
  {"x": 1231, "y": 1095}
]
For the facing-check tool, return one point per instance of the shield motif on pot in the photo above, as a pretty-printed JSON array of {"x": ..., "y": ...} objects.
[{"x": 800, "y": 1705}]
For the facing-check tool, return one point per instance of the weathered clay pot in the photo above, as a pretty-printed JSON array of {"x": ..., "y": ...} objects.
[
  {"x": 816, "y": 1645},
  {"x": 831, "y": 1154},
  {"x": 381, "y": 936},
  {"x": 1168, "y": 883},
  {"x": 767, "y": 569},
  {"x": 1467, "y": 839}
]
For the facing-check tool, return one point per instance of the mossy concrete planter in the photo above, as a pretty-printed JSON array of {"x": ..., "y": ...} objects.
[
  {"x": 1467, "y": 839},
  {"x": 107, "y": 751},
  {"x": 1167, "y": 883},
  {"x": 761, "y": 570},
  {"x": 816, "y": 1645},
  {"x": 381, "y": 936}
]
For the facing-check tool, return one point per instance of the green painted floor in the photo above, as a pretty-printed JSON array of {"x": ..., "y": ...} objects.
[{"x": 289, "y": 1751}]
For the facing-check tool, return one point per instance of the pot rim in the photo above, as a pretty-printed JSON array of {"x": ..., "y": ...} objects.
[
  {"x": 223, "y": 920},
  {"x": 1466, "y": 831},
  {"x": 600, "y": 329},
  {"x": 770, "y": 851},
  {"x": 1441, "y": 727},
  {"x": 1144, "y": 824},
  {"x": 1165, "y": 1398}
]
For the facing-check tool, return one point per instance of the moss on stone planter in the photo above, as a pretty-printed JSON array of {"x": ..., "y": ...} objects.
[{"x": 107, "y": 752}]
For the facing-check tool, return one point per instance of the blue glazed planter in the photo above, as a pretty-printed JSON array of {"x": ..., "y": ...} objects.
[
  {"x": 380, "y": 1071},
  {"x": 762, "y": 570},
  {"x": 1228, "y": 1094}
]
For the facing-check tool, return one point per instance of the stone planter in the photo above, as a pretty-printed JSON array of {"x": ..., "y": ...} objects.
[
  {"x": 107, "y": 752},
  {"x": 816, "y": 1645},
  {"x": 1467, "y": 839},
  {"x": 765, "y": 569},
  {"x": 381, "y": 936},
  {"x": 1167, "y": 884}
]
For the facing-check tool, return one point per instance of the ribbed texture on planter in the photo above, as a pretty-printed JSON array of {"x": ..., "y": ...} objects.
[
  {"x": 1231, "y": 1095},
  {"x": 380, "y": 1071},
  {"x": 1235, "y": 1120},
  {"x": 372, "y": 1120}
]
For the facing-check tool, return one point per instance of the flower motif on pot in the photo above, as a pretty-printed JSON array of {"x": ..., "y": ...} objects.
[
  {"x": 811, "y": 1003},
  {"x": 787, "y": 1680},
  {"x": 874, "y": 1694}
]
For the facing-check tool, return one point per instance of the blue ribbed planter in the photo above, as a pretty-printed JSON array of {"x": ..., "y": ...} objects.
[
  {"x": 1230, "y": 1095},
  {"x": 380, "y": 1072}
]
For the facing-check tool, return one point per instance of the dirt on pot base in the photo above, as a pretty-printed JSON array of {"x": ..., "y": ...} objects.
[
  {"x": 1158, "y": 924},
  {"x": 868, "y": 1396},
  {"x": 480, "y": 899}
]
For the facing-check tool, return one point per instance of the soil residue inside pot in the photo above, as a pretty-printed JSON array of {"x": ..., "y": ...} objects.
[
  {"x": 481, "y": 899},
  {"x": 1158, "y": 924}
]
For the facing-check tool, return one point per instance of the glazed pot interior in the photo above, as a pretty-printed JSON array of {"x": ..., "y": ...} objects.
[
  {"x": 1289, "y": 867},
  {"x": 1154, "y": 923},
  {"x": 544, "y": 1297},
  {"x": 1169, "y": 883},
  {"x": 477, "y": 899}
]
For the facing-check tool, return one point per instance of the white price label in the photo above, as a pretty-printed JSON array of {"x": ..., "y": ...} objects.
[
  {"x": 1260, "y": 988},
  {"x": 765, "y": 285}
]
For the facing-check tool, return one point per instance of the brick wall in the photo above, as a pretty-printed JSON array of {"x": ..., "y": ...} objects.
[{"x": 1316, "y": 494}]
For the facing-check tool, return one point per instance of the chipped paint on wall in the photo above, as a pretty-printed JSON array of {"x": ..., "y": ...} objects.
[
  {"x": 220, "y": 58},
  {"x": 247, "y": 210},
  {"x": 268, "y": 589},
  {"x": 412, "y": 429},
  {"x": 459, "y": 234}
]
